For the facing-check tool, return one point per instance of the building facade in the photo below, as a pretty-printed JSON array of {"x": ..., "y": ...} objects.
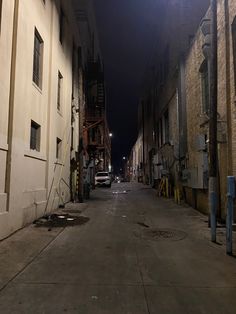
[
  {"x": 197, "y": 112},
  {"x": 180, "y": 105},
  {"x": 96, "y": 139},
  {"x": 43, "y": 99},
  {"x": 162, "y": 79}
]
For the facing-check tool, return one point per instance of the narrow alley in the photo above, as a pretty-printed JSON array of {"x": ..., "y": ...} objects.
[{"x": 137, "y": 254}]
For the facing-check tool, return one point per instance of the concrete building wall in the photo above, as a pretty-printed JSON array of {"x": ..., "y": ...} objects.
[
  {"x": 31, "y": 174},
  {"x": 6, "y": 28}
]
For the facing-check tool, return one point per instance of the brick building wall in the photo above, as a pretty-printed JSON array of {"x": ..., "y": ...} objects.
[
  {"x": 182, "y": 18},
  {"x": 231, "y": 80},
  {"x": 186, "y": 73},
  {"x": 197, "y": 122}
]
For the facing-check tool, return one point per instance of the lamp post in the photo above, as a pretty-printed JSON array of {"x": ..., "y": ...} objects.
[
  {"x": 109, "y": 165},
  {"x": 124, "y": 166}
]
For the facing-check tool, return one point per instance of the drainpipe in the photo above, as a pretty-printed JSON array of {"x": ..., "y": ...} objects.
[
  {"x": 47, "y": 177},
  {"x": 228, "y": 89},
  {"x": 213, "y": 122},
  {"x": 143, "y": 122},
  {"x": 11, "y": 101},
  {"x": 81, "y": 144}
]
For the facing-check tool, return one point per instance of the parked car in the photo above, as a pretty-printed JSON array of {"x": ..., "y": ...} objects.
[{"x": 103, "y": 179}]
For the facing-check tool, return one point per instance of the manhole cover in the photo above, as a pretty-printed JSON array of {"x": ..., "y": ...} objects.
[{"x": 163, "y": 234}]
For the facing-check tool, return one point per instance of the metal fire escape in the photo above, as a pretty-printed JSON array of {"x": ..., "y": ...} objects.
[{"x": 96, "y": 133}]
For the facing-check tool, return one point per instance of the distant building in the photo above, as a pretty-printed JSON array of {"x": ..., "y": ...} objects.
[
  {"x": 96, "y": 139},
  {"x": 136, "y": 160}
]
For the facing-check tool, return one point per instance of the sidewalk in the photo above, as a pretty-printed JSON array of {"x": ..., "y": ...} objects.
[
  {"x": 25, "y": 245},
  {"x": 200, "y": 224}
]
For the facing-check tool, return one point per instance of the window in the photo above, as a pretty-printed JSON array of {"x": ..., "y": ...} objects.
[
  {"x": 234, "y": 50},
  {"x": 61, "y": 25},
  {"x": 160, "y": 133},
  {"x": 74, "y": 70},
  {"x": 166, "y": 122},
  {"x": 58, "y": 148},
  {"x": 80, "y": 57},
  {"x": 35, "y": 131},
  {"x": 93, "y": 134},
  {"x": 205, "y": 86},
  {"x": 59, "y": 90},
  {"x": 38, "y": 59}
]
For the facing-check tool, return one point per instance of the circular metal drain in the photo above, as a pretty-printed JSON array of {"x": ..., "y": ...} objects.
[{"x": 163, "y": 234}]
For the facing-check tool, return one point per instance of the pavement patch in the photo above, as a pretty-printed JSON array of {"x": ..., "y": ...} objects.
[
  {"x": 60, "y": 220},
  {"x": 155, "y": 234}
]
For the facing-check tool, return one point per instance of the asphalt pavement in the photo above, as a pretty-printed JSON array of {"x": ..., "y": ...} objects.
[{"x": 134, "y": 253}]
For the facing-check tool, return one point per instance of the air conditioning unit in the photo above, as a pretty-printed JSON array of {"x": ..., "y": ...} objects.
[{"x": 199, "y": 174}]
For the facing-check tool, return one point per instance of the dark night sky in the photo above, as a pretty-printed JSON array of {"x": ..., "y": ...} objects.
[{"x": 127, "y": 32}]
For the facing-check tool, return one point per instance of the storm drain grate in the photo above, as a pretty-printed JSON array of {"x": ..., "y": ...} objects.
[{"x": 163, "y": 234}]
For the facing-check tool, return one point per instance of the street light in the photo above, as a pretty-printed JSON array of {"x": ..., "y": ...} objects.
[
  {"x": 124, "y": 158},
  {"x": 110, "y": 134}
]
